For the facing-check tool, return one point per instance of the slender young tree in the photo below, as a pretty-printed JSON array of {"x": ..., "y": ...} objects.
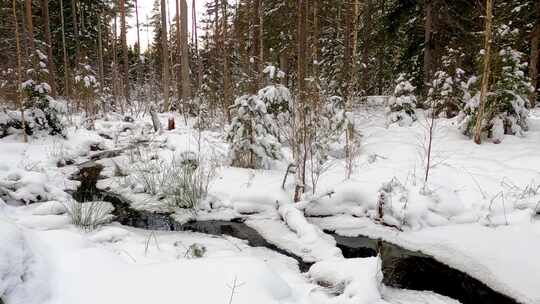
[
  {"x": 165, "y": 55},
  {"x": 48, "y": 40},
  {"x": 19, "y": 69},
  {"x": 486, "y": 72}
]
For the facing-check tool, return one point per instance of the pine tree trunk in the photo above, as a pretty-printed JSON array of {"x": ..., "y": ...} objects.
[
  {"x": 165, "y": 55},
  {"x": 300, "y": 104},
  {"x": 125, "y": 59},
  {"x": 366, "y": 46},
  {"x": 535, "y": 56},
  {"x": 227, "y": 95},
  {"x": 75, "y": 33},
  {"x": 48, "y": 40},
  {"x": 486, "y": 72},
  {"x": 178, "y": 55},
  {"x": 428, "y": 41},
  {"x": 100, "y": 53},
  {"x": 255, "y": 46},
  {"x": 19, "y": 69},
  {"x": 139, "y": 63},
  {"x": 186, "y": 82},
  {"x": 67, "y": 87},
  {"x": 30, "y": 29}
]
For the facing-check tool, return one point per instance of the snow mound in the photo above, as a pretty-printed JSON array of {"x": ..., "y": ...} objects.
[
  {"x": 347, "y": 281},
  {"x": 50, "y": 208},
  {"x": 109, "y": 234}
]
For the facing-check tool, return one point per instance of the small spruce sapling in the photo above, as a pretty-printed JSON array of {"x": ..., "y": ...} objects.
[
  {"x": 251, "y": 134},
  {"x": 402, "y": 104}
]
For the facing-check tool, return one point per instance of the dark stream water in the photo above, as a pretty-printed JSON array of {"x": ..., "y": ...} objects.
[{"x": 401, "y": 268}]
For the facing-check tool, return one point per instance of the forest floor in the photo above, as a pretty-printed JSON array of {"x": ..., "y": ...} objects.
[{"x": 477, "y": 213}]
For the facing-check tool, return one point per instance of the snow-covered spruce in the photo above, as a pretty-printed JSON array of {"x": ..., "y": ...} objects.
[
  {"x": 443, "y": 95},
  {"x": 251, "y": 138},
  {"x": 41, "y": 110},
  {"x": 401, "y": 105}
]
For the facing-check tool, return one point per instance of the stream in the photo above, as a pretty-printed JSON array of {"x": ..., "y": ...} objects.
[{"x": 401, "y": 268}]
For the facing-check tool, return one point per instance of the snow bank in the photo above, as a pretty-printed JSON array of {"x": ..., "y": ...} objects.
[{"x": 22, "y": 274}]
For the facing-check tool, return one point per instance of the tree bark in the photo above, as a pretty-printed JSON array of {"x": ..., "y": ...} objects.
[
  {"x": 535, "y": 56},
  {"x": 165, "y": 55},
  {"x": 486, "y": 72},
  {"x": 139, "y": 63},
  {"x": 19, "y": 70},
  {"x": 48, "y": 40},
  {"x": 125, "y": 59}
]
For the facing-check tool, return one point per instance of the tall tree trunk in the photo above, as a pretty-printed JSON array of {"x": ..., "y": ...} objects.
[
  {"x": 125, "y": 59},
  {"x": 30, "y": 29},
  {"x": 67, "y": 87},
  {"x": 100, "y": 53},
  {"x": 301, "y": 101},
  {"x": 114, "y": 58},
  {"x": 535, "y": 56},
  {"x": 19, "y": 69},
  {"x": 428, "y": 41},
  {"x": 139, "y": 63},
  {"x": 75, "y": 33},
  {"x": 178, "y": 55},
  {"x": 349, "y": 77},
  {"x": 366, "y": 46},
  {"x": 227, "y": 95},
  {"x": 165, "y": 55},
  {"x": 486, "y": 72},
  {"x": 255, "y": 46},
  {"x": 186, "y": 82},
  {"x": 48, "y": 40}
]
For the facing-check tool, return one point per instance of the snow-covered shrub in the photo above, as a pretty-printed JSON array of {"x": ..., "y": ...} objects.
[
  {"x": 440, "y": 96},
  {"x": 89, "y": 215},
  {"x": 402, "y": 103},
  {"x": 195, "y": 251},
  {"x": 251, "y": 134}
]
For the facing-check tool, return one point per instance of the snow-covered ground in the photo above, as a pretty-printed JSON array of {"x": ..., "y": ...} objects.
[{"x": 476, "y": 213}]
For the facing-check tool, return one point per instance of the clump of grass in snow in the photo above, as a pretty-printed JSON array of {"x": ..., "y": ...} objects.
[
  {"x": 89, "y": 215},
  {"x": 181, "y": 181}
]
